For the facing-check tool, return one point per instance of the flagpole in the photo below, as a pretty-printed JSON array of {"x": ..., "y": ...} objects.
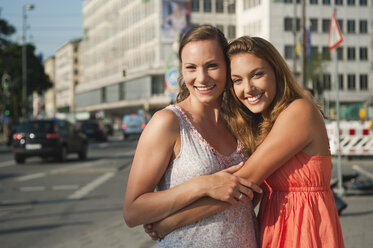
[{"x": 339, "y": 160}]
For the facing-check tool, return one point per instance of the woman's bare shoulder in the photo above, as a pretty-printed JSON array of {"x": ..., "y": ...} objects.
[
  {"x": 301, "y": 108},
  {"x": 165, "y": 120}
]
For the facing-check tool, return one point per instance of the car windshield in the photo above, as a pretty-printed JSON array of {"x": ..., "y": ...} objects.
[
  {"x": 89, "y": 126},
  {"x": 33, "y": 127},
  {"x": 132, "y": 119}
]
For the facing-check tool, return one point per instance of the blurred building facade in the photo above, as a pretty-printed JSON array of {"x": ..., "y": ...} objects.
[
  {"x": 128, "y": 47},
  {"x": 67, "y": 76},
  {"x": 49, "y": 95},
  {"x": 273, "y": 20},
  {"x": 126, "y": 53}
]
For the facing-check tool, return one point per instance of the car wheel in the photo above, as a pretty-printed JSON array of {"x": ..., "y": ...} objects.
[
  {"x": 19, "y": 159},
  {"x": 63, "y": 154},
  {"x": 83, "y": 152}
]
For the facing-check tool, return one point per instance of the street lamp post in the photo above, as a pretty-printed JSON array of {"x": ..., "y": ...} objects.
[{"x": 24, "y": 59}]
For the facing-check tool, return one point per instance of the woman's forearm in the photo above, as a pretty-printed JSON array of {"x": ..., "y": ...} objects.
[
  {"x": 200, "y": 209},
  {"x": 154, "y": 206}
]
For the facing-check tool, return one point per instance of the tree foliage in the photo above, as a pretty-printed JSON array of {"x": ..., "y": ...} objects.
[{"x": 11, "y": 63}]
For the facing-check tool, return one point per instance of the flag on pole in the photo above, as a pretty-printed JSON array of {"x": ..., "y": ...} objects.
[{"x": 335, "y": 34}]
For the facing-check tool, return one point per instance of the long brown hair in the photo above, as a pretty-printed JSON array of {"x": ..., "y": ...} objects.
[
  {"x": 198, "y": 33},
  {"x": 251, "y": 129}
]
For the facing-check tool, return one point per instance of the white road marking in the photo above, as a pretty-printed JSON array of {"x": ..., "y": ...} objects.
[
  {"x": 33, "y": 188},
  {"x": 65, "y": 187},
  {"x": 362, "y": 171},
  {"x": 56, "y": 171},
  {"x": 31, "y": 176},
  {"x": 90, "y": 186},
  {"x": 7, "y": 163}
]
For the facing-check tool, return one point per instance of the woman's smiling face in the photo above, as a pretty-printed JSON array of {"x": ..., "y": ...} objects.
[
  {"x": 204, "y": 70},
  {"x": 254, "y": 82}
]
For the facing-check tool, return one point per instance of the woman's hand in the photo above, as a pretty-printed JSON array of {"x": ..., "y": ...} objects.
[
  {"x": 225, "y": 186},
  {"x": 158, "y": 230}
]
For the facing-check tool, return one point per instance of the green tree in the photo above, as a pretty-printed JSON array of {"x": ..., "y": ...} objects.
[{"x": 11, "y": 63}]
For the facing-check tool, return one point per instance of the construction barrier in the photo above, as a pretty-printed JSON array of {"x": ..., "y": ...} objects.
[{"x": 356, "y": 138}]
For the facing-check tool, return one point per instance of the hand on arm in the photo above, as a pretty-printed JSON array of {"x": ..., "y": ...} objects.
[{"x": 289, "y": 135}]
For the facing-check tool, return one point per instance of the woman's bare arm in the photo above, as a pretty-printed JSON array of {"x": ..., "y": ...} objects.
[
  {"x": 291, "y": 133},
  {"x": 153, "y": 153}
]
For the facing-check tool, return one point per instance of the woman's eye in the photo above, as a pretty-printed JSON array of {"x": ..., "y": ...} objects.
[
  {"x": 258, "y": 74},
  {"x": 190, "y": 67},
  {"x": 212, "y": 65},
  {"x": 236, "y": 80}
]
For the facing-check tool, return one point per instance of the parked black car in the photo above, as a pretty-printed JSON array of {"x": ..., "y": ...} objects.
[
  {"x": 94, "y": 130},
  {"x": 48, "y": 138}
]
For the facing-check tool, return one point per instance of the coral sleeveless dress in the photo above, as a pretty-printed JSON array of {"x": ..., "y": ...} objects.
[
  {"x": 235, "y": 227},
  {"x": 298, "y": 208}
]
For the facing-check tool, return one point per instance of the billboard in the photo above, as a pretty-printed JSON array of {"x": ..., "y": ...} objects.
[{"x": 175, "y": 19}]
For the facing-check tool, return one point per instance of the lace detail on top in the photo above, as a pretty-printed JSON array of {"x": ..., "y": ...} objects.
[{"x": 235, "y": 227}]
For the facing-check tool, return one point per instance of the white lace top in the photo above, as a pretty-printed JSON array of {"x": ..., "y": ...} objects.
[{"x": 235, "y": 227}]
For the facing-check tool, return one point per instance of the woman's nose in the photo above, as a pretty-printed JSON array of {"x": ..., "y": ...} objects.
[
  {"x": 201, "y": 76},
  {"x": 248, "y": 86}
]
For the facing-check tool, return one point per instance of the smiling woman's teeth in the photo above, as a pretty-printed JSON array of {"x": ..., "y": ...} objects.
[
  {"x": 205, "y": 88},
  {"x": 253, "y": 99}
]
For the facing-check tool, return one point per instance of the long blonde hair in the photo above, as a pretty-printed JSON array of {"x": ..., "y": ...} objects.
[
  {"x": 251, "y": 129},
  {"x": 198, "y": 33}
]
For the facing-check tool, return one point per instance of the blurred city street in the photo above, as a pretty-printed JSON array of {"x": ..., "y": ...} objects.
[{"x": 79, "y": 204}]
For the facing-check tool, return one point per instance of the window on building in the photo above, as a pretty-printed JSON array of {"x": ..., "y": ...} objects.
[
  {"x": 231, "y": 32},
  {"x": 314, "y": 49},
  {"x": 326, "y": 79},
  {"x": 288, "y": 1},
  {"x": 363, "y": 82},
  {"x": 351, "y": 55},
  {"x": 338, "y": 2},
  {"x": 340, "y": 24},
  {"x": 122, "y": 92},
  {"x": 103, "y": 94},
  {"x": 158, "y": 85},
  {"x": 288, "y": 24},
  {"x": 363, "y": 24},
  {"x": 339, "y": 53},
  {"x": 350, "y": 26},
  {"x": 207, "y": 5},
  {"x": 351, "y": 82},
  {"x": 195, "y": 5},
  {"x": 231, "y": 8},
  {"x": 363, "y": 2},
  {"x": 313, "y": 1},
  {"x": 340, "y": 81},
  {"x": 350, "y": 2},
  {"x": 325, "y": 25},
  {"x": 325, "y": 53},
  {"x": 76, "y": 72},
  {"x": 314, "y": 24},
  {"x": 219, "y": 5},
  {"x": 220, "y": 27},
  {"x": 326, "y": 2},
  {"x": 363, "y": 53},
  {"x": 289, "y": 51}
]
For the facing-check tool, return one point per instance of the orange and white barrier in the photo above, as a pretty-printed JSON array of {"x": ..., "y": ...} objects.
[{"x": 356, "y": 139}]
